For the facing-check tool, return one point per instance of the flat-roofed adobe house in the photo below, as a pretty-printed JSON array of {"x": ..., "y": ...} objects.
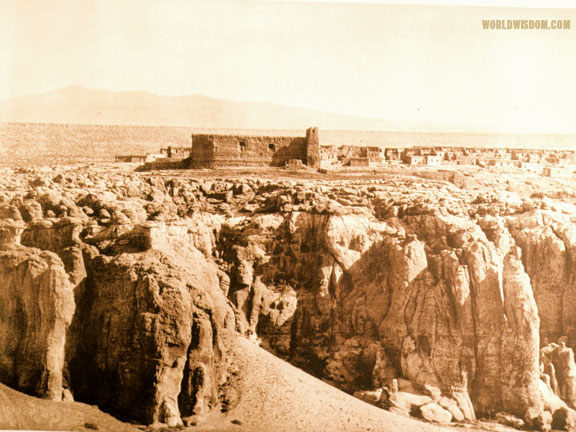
[
  {"x": 414, "y": 159},
  {"x": 130, "y": 158},
  {"x": 359, "y": 162},
  {"x": 558, "y": 172},
  {"x": 434, "y": 160}
]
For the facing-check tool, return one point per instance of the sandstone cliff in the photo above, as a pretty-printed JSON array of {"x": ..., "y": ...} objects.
[
  {"x": 431, "y": 297},
  {"x": 36, "y": 306}
]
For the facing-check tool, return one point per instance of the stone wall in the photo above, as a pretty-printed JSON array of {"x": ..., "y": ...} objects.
[
  {"x": 213, "y": 151},
  {"x": 312, "y": 148},
  {"x": 166, "y": 164}
]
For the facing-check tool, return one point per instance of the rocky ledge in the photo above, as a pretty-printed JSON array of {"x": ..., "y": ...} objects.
[{"x": 413, "y": 295}]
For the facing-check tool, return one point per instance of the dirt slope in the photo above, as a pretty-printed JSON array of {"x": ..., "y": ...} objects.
[
  {"x": 19, "y": 411},
  {"x": 276, "y": 396}
]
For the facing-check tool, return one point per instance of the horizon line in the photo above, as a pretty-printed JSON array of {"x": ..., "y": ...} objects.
[{"x": 396, "y": 131}]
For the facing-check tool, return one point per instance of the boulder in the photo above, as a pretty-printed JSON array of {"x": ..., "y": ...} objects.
[
  {"x": 462, "y": 398},
  {"x": 404, "y": 403},
  {"x": 509, "y": 420},
  {"x": 552, "y": 402},
  {"x": 451, "y": 405},
  {"x": 564, "y": 419},
  {"x": 30, "y": 210},
  {"x": 543, "y": 422},
  {"x": 434, "y": 413},
  {"x": 370, "y": 396}
]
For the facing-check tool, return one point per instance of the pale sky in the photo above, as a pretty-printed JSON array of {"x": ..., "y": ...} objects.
[{"x": 433, "y": 65}]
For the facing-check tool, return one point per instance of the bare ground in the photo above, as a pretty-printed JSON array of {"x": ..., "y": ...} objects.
[
  {"x": 19, "y": 411},
  {"x": 276, "y": 396}
]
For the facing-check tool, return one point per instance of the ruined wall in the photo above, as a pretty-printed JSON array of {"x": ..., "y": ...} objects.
[
  {"x": 213, "y": 151},
  {"x": 312, "y": 148}
]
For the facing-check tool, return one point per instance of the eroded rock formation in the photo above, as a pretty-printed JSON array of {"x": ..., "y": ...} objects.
[
  {"x": 430, "y": 302},
  {"x": 36, "y": 306}
]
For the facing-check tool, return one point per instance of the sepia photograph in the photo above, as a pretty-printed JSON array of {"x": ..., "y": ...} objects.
[{"x": 288, "y": 215}]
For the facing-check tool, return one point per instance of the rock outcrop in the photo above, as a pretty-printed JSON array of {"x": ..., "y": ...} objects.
[
  {"x": 135, "y": 331},
  {"x": 420, "y": 297},
  {"x": 430, "y": 299},
  {"x": 158, "y": 339},
  {"x": 36, "y": 309}
]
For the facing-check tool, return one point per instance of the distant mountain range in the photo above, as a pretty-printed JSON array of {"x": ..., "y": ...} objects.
[
  {"x": 70, "y": 122},
  {"x": 80, "y": 105}
]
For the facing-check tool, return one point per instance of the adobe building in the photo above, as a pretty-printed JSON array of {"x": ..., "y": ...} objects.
[
  {"x": 359, "y": 162},
  {"x": 175, "y": 152},
  {"x": 130, "y": 158},
  {"x": 217, "y": 151},
  {"x": 559, "y": 172}
]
